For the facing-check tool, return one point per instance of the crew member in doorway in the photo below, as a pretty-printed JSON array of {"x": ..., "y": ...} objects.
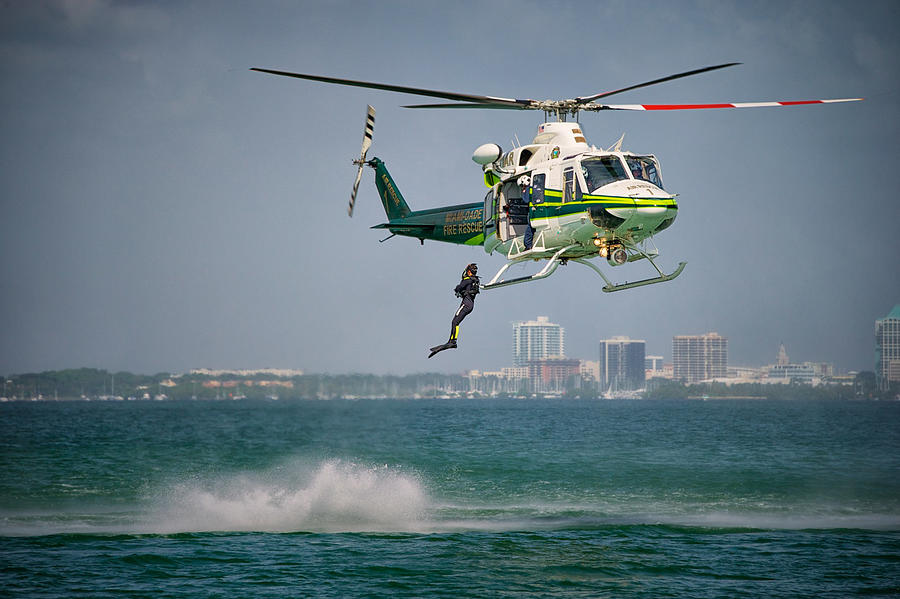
[
  {"x": 467, "y": 290},
  {"x": 525, "y": 185}
]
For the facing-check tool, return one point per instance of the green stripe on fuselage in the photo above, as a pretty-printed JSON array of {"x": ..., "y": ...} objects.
[{"x": 551, "y": 209}]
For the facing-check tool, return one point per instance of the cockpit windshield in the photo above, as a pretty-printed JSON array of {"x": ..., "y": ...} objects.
[
  {"x": 645, "y": 169},
  {"x": 602, "y": 170}
]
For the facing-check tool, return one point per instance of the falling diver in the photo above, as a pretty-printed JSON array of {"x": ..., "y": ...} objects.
[{"x": 467, "y": 290}]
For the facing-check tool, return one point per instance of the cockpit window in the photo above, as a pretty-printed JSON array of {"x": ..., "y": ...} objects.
[
  {"x": 645, "y": 169},
  {"x": 601, "y": 171}
]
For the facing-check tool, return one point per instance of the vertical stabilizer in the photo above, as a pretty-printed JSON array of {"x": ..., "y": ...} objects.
[{"x": 394, "y": 205}]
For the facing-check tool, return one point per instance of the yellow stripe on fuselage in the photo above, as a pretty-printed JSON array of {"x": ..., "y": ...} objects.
[{"x": 628, "y": 201}]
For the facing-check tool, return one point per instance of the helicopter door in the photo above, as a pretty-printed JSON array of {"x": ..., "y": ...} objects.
[
  {"x": 490, "y": 213},
  {"x": 517, "y": 213},
  {"x": 502, "y": 213}
]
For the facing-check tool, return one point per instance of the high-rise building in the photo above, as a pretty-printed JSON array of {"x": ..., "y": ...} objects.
[
  {"x": 536, "y": 340},
  {"x": 887, "y": 348},
  {"x": 700, "y": 357},
  {"x": 622, "y": 364}
]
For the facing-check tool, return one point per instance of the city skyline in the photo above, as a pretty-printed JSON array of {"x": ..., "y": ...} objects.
[
  {"x": 557, "y": 333},
  {"x": 541, "y": 321},
  {"x": 539, "y": 367}
]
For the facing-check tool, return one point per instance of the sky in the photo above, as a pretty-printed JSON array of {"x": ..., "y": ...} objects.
[{"x": 165, "y": 208}]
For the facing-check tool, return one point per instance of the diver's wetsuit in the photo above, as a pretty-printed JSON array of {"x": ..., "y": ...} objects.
[{"x": 467, "y": 290}]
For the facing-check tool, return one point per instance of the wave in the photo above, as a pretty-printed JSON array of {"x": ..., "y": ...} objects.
[
  {"x": 336, "y": 496},
  {"x": 333, "y": 496},
  {"x": 818, "y": 520},
  {"x": 297, "y": 496},
  {"x": 559, "y": 516}
]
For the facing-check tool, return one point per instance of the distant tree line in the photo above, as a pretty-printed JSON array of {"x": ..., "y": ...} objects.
[
  {"x": 95, "y": 383},
  {"x": 864, "y": 387}
]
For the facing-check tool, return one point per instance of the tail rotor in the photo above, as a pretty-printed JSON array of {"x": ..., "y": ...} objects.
[{"x": 366, "y": 144}]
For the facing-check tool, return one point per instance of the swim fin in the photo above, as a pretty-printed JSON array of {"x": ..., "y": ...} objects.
[{"x": 439, "y": 348}]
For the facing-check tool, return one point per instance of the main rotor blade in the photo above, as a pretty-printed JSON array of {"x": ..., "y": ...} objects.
[
  {"x": 720, "y": 105},
  {"x": 585, "y": 99},
  {"x": 474, "y": 105},
  {"x": 399, "y": 88}
]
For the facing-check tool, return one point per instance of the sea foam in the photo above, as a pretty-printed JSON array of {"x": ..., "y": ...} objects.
[{"x": 331, "y": 496}]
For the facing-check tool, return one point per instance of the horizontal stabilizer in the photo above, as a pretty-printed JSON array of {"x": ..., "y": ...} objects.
[{"x": 405, "y": 227}]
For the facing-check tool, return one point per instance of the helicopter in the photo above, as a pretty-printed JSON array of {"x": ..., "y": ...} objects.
[{"x": 554, "y": 200}]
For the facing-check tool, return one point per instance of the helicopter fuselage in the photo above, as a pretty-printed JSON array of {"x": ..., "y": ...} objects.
[
  {"x": 562, "y": 213},
  {"x": 578, "y": 198},
  {"x": 572, "y": 195}
]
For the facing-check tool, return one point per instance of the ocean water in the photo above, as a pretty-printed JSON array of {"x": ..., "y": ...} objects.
[{"x": 450, "y": 498}]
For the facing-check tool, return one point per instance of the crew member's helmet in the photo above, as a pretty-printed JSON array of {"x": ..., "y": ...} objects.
[{"x": 472, "y": 268}]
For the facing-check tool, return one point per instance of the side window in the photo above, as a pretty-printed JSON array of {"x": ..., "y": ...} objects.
[
  {"x": 537, "y": 188},
  {"x": 489, "y": 209},
  {"x": 571, "y": 188},
  {"x": 646, "y": 168},
  {"x": 524, "y": 157}
]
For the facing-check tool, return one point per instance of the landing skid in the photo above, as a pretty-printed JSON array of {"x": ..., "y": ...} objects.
[
  {"x": 554, "y": 262},
  {"x": 545, "y": 272},
  {"x": 610, "y": 286}
]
